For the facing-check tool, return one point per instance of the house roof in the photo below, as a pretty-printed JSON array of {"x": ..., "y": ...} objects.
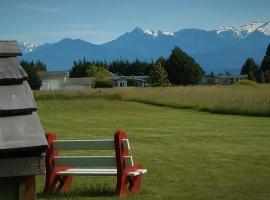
[
  {"x": 79, "y": 81},
  {"x": 20, "y": 129},
  {"x": 52, "y": 74},
  {"x": 138, "y": 78}
]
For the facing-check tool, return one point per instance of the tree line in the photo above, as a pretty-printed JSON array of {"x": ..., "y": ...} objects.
[
  {"x": 255, "y": 73},
  {"x": 32, "y": 68},
  {"x": 178, "y": 69}
]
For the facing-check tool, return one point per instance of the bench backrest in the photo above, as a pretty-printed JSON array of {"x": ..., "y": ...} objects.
[{"x": 119, "y": 144}]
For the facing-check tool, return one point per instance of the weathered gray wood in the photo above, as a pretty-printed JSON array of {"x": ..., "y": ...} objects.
[
  {"x": 86, "y": 161},
  {"x": 84, "y": 145},
  {"x": 22, "y": 166},
  {"x": 21, "y": 132},
  {"x": 11, "y": 71},
  {"x": 9, "y": 48},
  {"x": 89, "y": 172},
  {"x": 16, "y": 99}
]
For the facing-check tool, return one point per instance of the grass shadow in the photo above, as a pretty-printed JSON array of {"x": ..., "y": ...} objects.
[{"x": 101, "y": 190}]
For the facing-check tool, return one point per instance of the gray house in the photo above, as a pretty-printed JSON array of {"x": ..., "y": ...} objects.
[
  {"x": 59, "y": 80},
  {"x": 137, "y": 81},
  {"x": 222, "y": 79}
]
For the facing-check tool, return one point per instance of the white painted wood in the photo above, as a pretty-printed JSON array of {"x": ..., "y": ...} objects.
[
  {"x": 89, "y": 172},
  {"x": 126, "y": 144},
  {"x": 86, "y": 161},
  {"x": 84, "y": 145},
  {"x": 129, "y": 161}
]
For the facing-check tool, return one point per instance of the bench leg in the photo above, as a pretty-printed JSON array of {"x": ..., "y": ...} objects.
[
  {"x": 65, "y": 183},
  {"x": 128, "y": 184},
  {"x": 50, "y": 183},
  {"x": 135, "y": 184}
]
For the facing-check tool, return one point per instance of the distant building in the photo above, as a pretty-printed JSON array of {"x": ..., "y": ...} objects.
[
  {"x": 222, "y": 79},
  {"x": 78, "y": 83},
  {"x": 52, "y": 80},
  {"x": 59, "y": 80},
  {"x": 136, "y": 81}
]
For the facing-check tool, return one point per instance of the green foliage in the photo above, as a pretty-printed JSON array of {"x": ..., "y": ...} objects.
[
  {"x": 265, "y": 66},
  {"x": 182, "y": 69},
  {"x": 246, "y": 83},
  {"x": 32, "y": 69},
  {"x": 104, "y": 83},
  {"x": 40, "y": 66},
  {"x": 260, "y": 77},
  {"x": 250, "y": 68},
  {"x": 79, "y": 69},
  {"x": 158, "y": 76},
  {"x": 126, "y": 68}
]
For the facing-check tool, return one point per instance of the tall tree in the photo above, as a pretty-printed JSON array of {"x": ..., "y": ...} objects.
[
  {"x": 158, "y": 76},
  {"x": 33, "y": 77},
  {"x": 265, "y": 66},
  {"x": 182, "y": 69},
  {"x": 250, "y": 68}
]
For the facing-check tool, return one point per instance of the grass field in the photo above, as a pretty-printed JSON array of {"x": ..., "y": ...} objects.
[
  {"x": 190, "y": 155},
  {"x": 251, "y": 100}
]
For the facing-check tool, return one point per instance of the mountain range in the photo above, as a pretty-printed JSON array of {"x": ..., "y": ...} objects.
[{"x": 225, "y": 49}]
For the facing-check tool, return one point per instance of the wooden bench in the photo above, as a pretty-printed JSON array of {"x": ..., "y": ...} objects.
[{"x": 61, "y": 169}]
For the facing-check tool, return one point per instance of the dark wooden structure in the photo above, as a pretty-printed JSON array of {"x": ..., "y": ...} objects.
[{"x": 22, "y": 140}]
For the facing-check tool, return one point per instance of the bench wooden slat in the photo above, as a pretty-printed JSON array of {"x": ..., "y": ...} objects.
[
  {"x": 88, "y": 144},
  {"x": 83, "y": 145},
  {"x": 89, "y": 172},
  {"x": 137, "y": 172},
  {"x": 86, "y": 161}
]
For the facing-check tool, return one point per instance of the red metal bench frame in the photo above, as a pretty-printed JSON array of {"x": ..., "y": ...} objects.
[{"x": 125, "y": 185}]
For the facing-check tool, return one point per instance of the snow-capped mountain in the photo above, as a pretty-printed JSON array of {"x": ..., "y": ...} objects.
[
  {"x": 245, "y": 30},
  {"x": 225, "y": 49},
  {"x": 28, "y": 47},
  {"x": 155, "y": 33}
]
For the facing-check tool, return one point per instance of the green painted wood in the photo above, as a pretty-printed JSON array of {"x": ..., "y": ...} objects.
[
  {"x": 86, "y": 161},
  {"x": 84, "y": 145}
]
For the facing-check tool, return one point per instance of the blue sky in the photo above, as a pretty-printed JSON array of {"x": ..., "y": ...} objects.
[{"x": 99, "y": 21}]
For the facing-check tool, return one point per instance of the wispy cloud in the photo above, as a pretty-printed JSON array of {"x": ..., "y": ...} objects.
[{"x": 39, "y": 8}]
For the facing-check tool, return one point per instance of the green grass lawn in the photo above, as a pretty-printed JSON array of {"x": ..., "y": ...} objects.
[{"x": 189, "y": 155}]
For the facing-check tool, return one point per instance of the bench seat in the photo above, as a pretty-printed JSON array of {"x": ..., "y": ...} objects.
[{"x": 98, "y": 172}]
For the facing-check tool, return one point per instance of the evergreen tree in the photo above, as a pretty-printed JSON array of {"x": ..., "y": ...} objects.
[
  {"x": 158, "y": 76},
  {"x": 260, "y": 77},
  {"x": 40, "y": 66},
  {"x": 33, "y": 77},
  {"x": 250, "y": 68},
  {"x": 182, "y": 69},
  {"x": 79, "y": 69},
  {"x": 265, "y": 66}
]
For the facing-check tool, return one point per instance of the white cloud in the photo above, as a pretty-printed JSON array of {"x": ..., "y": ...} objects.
[{"x": 39, "y": 8}]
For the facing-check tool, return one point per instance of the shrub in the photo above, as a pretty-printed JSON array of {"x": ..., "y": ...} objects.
[{"x": 104, "y": 83}]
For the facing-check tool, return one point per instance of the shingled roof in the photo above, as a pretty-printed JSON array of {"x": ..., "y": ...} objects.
[{"x": 20, "y": 128}]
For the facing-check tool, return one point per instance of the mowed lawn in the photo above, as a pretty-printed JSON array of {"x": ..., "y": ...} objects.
[{"x": 189, "y": 155}]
